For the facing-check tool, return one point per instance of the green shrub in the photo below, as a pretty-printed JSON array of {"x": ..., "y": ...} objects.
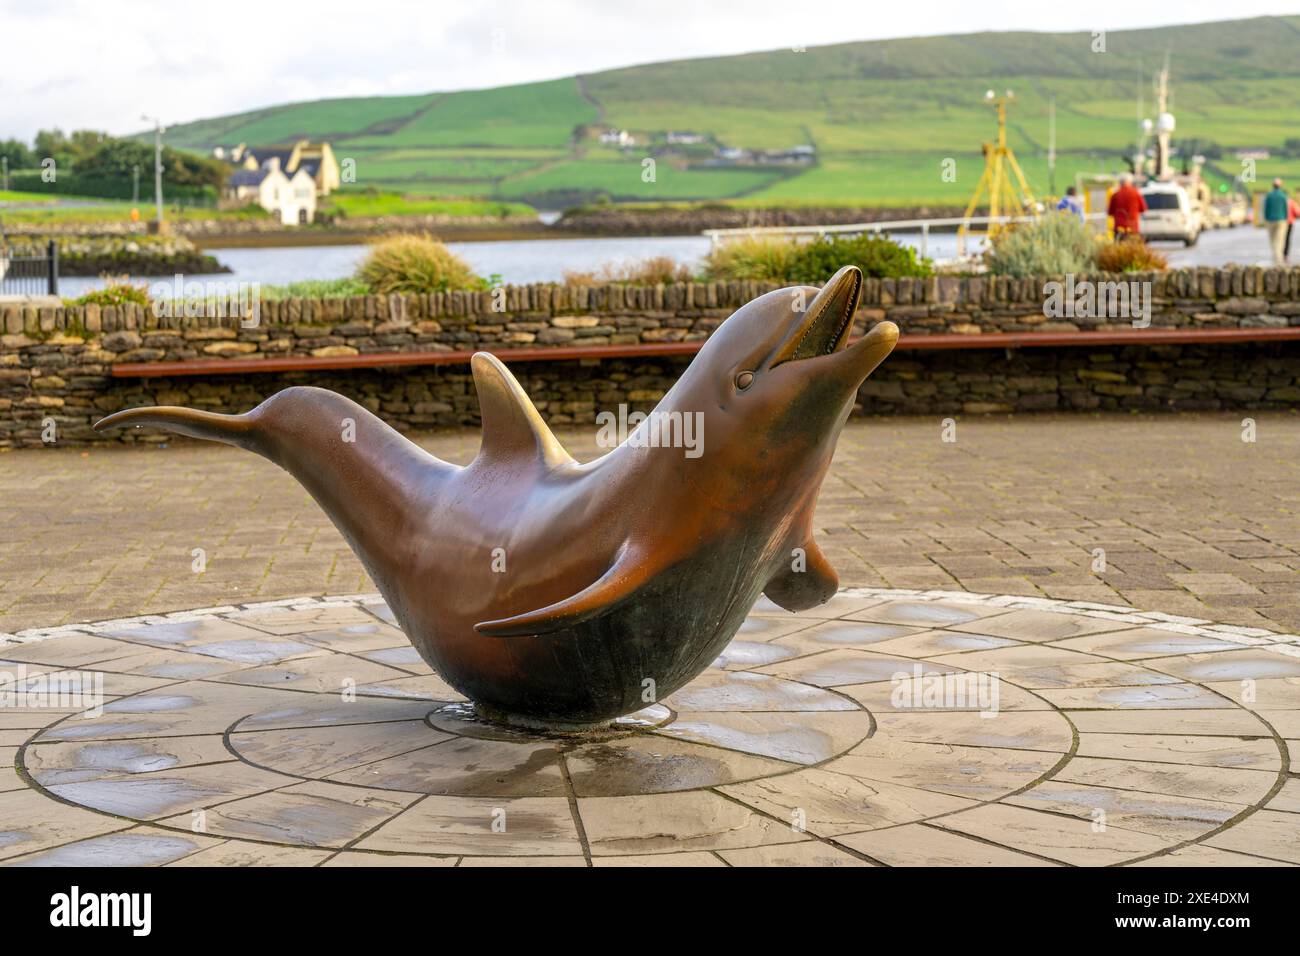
[
  {"x": 1048, "y": 246},
  {"x": 411, "y": 263},
  {"x": 316, "y": 289},
  {"x": 777, "y": 259},
  {"x": 764, "y": 258},
  {"x": 117, "y": 291},
  {"x": 877, "y": 256}
]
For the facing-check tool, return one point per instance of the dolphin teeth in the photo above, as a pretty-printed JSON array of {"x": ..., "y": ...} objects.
[
  {"x": 838, "y": 338},
  {"x": 839, "y": 295}
]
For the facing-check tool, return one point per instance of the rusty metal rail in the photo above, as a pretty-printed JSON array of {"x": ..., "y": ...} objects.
[{"x": 988, "y": 340}]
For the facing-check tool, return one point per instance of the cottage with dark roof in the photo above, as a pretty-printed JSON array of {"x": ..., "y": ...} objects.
[
  {"x": 317, "y": 159},
  {"x": 291, "y": 197}
]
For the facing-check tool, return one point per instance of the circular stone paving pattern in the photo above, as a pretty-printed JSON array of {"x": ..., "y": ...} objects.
[{"x": 884, "y": 728}]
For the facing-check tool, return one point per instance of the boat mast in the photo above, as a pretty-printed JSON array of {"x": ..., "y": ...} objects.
[{"x": 1164, "y": 122}]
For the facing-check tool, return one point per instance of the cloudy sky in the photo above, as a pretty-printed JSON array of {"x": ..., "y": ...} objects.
[{"x": 102, "y": 63}]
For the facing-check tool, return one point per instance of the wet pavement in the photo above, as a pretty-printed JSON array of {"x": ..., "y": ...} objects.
[{"x": 889, "y": 727}]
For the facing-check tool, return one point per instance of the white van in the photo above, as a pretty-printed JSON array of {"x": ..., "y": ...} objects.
[{"x": 1170, "y": 214}]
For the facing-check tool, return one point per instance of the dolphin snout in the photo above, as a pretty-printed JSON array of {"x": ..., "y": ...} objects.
[
  {"x": 884, "y": 334},
  {"x": 869, "y": 351}
]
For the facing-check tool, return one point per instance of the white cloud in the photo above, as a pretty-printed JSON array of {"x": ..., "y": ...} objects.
[{"x": 90, "y": 63}]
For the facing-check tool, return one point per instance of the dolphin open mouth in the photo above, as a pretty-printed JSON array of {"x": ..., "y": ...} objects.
[
  {"x": 826, "y": 326},
  {"x": 828, "y": 320}
]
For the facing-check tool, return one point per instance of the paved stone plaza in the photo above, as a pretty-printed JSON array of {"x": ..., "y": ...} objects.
[
  {"x": 1193, "y": 520},
  {"x": 977, "y": 695},
  {"x": 881, "y": 729}
]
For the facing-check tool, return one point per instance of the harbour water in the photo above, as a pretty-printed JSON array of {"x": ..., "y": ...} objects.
[{"x": 546, "y": 260}]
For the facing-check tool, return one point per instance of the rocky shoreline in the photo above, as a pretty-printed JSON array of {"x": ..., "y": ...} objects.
[
  {"x": 270, "y": 232},
  {"x": 672, "y": 221},
  {"x": 139, "y": 255},
  {"x": 597, "y": 221}
]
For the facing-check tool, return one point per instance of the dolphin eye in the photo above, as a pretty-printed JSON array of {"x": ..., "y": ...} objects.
[{"x": 744, "y": 380}]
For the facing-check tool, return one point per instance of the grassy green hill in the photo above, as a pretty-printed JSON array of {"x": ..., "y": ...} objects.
[{"x": 882, "y": 116}]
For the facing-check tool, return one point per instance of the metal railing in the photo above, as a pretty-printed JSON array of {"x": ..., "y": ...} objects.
[
  {"x": 28, "y": 274},
  {"x": 960, "y": 225}
]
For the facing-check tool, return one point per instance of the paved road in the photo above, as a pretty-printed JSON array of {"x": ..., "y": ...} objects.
[
  {"x": 1192, "y": 519},
  {"x": 1243, "y": 246}
]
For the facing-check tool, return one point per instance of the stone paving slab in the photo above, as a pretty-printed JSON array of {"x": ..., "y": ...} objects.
[
  {"x": 1192, "y": 521},
  {"x": 832, "y": 752}
]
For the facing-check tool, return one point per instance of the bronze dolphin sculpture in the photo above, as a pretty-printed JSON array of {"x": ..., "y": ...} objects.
[{"x": 554, "y": 593}]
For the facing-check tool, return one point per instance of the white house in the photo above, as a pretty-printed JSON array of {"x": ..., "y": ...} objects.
[
  {"x": 292, "y": 198},
  {"x": 317, "y": 158},
  {"x": 617, "y": 137}
]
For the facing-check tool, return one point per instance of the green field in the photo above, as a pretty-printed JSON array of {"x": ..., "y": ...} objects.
[
  {"x": 535, "y": 114},
  {"x": 323, "y": 118},
  {"x": 42, "y": 208},
  {"x": 623, "y": 179},
  {"x": 391, "y": 204},
  {"x": 881, "y": 114},
  {"x": 50, "y": 208}
]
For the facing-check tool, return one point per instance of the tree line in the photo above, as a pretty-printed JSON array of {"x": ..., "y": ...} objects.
[{"x": 92, "y": 163}]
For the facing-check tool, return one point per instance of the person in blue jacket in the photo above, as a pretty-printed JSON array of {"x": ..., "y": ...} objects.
[{"x": 1071, "y": 203}]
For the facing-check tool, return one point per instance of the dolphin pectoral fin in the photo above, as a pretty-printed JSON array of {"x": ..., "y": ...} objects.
[
  {"x": 512, "y": 428},
  {"x": 608, "y": 591},
  {"x": 808, "y": 580}
]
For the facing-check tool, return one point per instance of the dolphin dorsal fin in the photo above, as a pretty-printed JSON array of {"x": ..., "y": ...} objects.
[{"x": 512, "y": 428}]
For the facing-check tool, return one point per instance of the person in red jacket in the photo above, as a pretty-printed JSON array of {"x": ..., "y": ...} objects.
[
  {"x": 1292, "y": 214},
  {"x": 1126, "y": 207}
]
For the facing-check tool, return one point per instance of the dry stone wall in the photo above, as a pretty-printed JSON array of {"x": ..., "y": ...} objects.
[{"x": 56, "y": 363}]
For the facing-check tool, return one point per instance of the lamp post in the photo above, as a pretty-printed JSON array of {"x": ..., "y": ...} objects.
[
  {"x": 158, "y": 130},
  {"x": 1051, "y": 148}
]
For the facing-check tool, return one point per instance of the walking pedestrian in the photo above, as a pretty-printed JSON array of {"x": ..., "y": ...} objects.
[
  {"x": 1126, "y": 207},
  {"x": 1071, "y": 203},
  {"x": 1275, "y": 219},
  {"x": 1292, "y": 214}
]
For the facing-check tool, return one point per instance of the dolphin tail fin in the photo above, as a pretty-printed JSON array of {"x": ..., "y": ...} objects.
[
  {"x": 374, "y": 483},
  {"x": 231, "y": 429}
]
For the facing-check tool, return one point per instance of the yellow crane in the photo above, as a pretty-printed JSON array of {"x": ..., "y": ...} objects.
[{"x": 996, "y": 186}]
